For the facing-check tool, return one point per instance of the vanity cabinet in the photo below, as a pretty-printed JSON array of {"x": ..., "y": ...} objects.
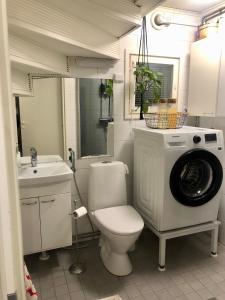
[
  {"x": 46, "y": 222},
  {"x": 206, "y": 95}
]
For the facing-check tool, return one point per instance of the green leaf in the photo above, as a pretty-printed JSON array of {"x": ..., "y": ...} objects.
[{"x": 145, "y": 106}]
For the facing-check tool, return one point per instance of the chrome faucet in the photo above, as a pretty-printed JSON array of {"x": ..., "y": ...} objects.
[{"x": 33, "y": 156}]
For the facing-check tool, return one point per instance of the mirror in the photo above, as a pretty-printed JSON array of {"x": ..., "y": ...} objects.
[
  {"x": 96, "y": 111},
  {"x": 42, "y": 120}
]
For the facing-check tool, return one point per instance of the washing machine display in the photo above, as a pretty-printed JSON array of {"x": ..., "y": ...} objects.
[{"x": 196, "y": 177}]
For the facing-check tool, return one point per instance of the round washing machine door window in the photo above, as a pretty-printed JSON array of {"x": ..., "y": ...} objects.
[{"x": 196, "y": 177}]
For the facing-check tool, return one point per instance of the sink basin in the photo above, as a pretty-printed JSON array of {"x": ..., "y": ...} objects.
[{"x": 44, "y": 173}]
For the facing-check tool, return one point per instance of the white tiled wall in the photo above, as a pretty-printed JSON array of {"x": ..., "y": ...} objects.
[{"x": 172, "y": 41}]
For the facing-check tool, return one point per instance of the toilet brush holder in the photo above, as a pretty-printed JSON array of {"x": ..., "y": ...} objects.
[{"x": 77, "y": 267}]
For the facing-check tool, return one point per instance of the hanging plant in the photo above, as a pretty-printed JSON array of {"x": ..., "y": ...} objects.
[
  {"x": 106, "y": 89},
  {"x": 106, "y": 93},
  {"x": 146, "y": 79}
]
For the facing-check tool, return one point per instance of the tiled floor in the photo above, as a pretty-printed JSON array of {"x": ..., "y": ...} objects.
[{"x": 191, "y": 273}]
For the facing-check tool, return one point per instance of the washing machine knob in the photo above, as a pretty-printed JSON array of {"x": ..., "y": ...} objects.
[{"x": 196, "y": 139}]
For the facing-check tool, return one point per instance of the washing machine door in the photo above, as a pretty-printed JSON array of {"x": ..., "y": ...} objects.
[{"x": 196, "y": 177}]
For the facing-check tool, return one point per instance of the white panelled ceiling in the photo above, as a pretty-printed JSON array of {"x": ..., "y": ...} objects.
[
  {"x": 89, "y": 28},
  {"x": 192, "y": 5}
]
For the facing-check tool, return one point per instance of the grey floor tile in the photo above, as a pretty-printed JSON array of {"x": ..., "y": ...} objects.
[
  {"x": 47, "y": 293},
  {"x": 61, "y": 290},
  {"x": 204, "y": 294},
  {"x": 61, "y": 280},
  {"x": 221, "y": 297},
  {"x": 150, "y": 295},
  {"x": 217, "y": 278},
  {"x": 74, "y": 286},
  {"x": 140, "y": 297},
  {"x": 156, "y": 286},
  {"x": 196, "y": 285},
  {"x": 185, "y": 288},
  {"x": 77, "y": 296},
  {"x": 183, "y": 297},
  {"x": 132, "y": 291},
  {"x": 143, "y": 287},
  {"x": 164, "y": 294},
  {"x": 46, "y": 283},
  {"x": 57, "y": 273},
  {"x": 193, "y": 296},
  {"x": 191, "y": 273},
  {"x": 64, "y": 297},
  {"x": 174, "y": 291}
]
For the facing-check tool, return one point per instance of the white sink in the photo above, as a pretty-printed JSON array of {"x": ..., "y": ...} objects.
[{"x": 44, "y": 173}]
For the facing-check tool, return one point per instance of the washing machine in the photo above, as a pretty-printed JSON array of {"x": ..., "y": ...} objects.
[{"x": 178, "y": 175}]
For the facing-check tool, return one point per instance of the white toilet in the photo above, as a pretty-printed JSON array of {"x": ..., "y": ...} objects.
[{"x": 120, "y": 224}]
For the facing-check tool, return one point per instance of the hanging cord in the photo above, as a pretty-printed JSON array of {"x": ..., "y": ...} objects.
[
  {"x": 143, "y": 45},
  {"x": 146, "y": 41},
  {"x": 140, "y": 47},
  {"x": 143, "y": 58}
]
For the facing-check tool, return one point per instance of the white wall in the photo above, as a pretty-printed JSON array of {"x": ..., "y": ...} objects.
[{"x": 173, "y": 41}]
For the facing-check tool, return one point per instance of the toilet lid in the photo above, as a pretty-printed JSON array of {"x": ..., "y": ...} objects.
[{"x": 122, "y": 220}]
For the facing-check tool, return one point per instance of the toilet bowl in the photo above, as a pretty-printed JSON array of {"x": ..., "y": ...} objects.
[{"x": 120, "y": 224}]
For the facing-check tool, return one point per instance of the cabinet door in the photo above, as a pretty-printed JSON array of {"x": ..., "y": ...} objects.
[
  {"x": 221, "y": 87},
  {"x": 204, "y": 77},
  {"x": 31, "y": 225},
  {"x": 56, "y": 226}
]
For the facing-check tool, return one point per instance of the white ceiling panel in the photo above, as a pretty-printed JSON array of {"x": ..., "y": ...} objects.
[{"x": 192, "y": 5}]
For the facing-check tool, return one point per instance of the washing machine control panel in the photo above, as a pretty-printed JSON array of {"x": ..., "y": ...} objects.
[{"x": 197, "y": 139}]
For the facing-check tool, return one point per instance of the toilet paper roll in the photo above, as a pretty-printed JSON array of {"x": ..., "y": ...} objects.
[{"x": 79, "y": 212}]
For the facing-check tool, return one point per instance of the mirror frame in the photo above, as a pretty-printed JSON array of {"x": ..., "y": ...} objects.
[
  {"x": 71, "y": 92},
  {"x": 131, "y": 57}
]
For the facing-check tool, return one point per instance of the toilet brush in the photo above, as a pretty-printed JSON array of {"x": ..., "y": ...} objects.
[{"x": 77, "y": 267}]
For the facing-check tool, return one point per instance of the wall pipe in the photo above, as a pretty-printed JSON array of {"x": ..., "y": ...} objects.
[{"x": 213, "y": 15}]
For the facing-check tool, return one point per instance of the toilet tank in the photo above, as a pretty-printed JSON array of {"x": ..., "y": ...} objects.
[{"x": 107, "y": 185}]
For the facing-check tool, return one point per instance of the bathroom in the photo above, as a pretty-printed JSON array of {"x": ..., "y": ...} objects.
[{"x": 35, "y": 52}]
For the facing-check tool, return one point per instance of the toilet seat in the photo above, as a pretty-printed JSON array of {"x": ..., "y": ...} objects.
[{"x": 119, "y": 220}]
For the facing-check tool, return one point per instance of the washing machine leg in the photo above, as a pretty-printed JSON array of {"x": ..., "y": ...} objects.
[
  {"x": 214, "y": 241},
  {"x": 162, "y": 254}
]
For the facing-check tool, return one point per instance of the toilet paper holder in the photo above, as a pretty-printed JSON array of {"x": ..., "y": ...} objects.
[{"x": 79, "y": 212}]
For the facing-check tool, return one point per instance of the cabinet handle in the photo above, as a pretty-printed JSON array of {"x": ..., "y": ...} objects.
[
  {"x": 32, "y": 203},
  {"x": 48, "y": 201}
]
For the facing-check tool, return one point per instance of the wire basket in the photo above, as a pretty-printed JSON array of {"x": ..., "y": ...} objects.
[{"x": 165, "y": 120}]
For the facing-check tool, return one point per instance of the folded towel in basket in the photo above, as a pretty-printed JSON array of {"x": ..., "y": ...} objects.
[{"x": 30, "y": 289}]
